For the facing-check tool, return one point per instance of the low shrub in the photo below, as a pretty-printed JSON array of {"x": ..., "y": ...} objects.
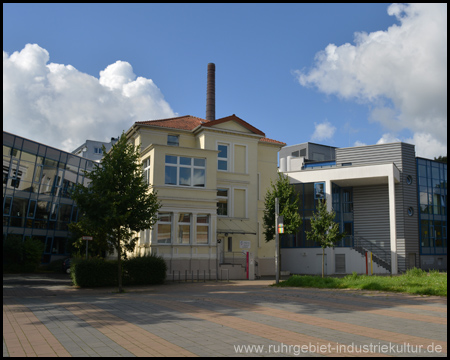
[
  {"x": 32, "y": 254},
  {"x": 21, "y": 256},
  {"x": 415, "y": 272},
  {"x": 145, "y": 270},
  {"x": 94, "y": 272}
]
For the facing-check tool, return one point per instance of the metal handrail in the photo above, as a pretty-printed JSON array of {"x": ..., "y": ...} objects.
[
  {"x": 379, "y": 252},
  {"x": 236, "y": 258}
]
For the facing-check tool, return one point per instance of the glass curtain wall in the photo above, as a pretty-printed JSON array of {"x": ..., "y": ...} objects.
[
  {"x": 432, "y": 193},
  {"x": 37, "y": 181},
  {"x": 342, "y": 204}
]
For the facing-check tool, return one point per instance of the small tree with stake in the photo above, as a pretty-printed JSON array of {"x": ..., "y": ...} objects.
[
  {"x": 117, "y": 201},
  {"x": 288, "y": 201},
  {"x": 324, "y": 230},
  {"x": 288, "y": 208}
]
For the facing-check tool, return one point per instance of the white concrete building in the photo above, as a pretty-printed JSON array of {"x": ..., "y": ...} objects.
[{"x": 381, "y": 202}]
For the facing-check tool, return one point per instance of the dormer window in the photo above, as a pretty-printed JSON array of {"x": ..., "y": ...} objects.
[{"x": 173, "y": 140}]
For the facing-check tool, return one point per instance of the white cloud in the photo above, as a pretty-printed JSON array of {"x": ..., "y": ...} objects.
[
  {"x": 60, "y": 106},
  {"x": 401, "y": 72},
  {"x": 388, "y": 138},
  {"x": 323, "y": 131},
  {"x": 359, "y": 143},
  {"x": 427, "y": 146}
]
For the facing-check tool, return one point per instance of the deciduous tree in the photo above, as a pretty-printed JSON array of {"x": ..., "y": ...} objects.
[
  {"x": 118, "y": 202},
  {"x": 288, "y": 201},
  {"x": 324, "y": 230}
]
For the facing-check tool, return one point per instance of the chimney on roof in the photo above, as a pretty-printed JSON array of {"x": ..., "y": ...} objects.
[{"x": 211, "y": 93}]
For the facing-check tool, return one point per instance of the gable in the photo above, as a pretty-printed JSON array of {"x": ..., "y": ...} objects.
[{"x": 235, "y": 124}]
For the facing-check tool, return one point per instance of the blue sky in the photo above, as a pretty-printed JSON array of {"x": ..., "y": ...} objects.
[{"x": 336, "y": 74}]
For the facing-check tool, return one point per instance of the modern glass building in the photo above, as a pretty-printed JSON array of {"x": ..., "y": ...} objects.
[
  {"x": 309, "y": 198},
  {"x": 390, "y": 203},
  {"x": 37, "y": 180},
  {"x": 432, "y": 199}
]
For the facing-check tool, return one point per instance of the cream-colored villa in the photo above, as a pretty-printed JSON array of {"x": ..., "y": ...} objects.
[{"x": 211, "y": 177}]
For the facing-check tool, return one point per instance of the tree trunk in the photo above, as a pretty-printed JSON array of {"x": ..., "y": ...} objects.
[
  {"x": 323, "y": 262},
  {"x": 119, "y": 264}
]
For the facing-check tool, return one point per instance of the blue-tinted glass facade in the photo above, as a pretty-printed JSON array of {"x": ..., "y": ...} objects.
[
  {"x": 37, "y": 180},
  {"x": 342, "y": 205},
  {"x": 432, "y": 198}
]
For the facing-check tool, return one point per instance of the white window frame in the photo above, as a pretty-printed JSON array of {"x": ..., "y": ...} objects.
[
  {"x": 227, "y": 159},
  {"x": 192, "y": 167},
  {"x": 181, "y": 223},
  {"x": 208, "y": 225},
  {"x": 227, "y": 198},
  {"x": 146, "y": 170},
  {"x": 170, "y": 223},
  {"x": 173, "y": 143}
]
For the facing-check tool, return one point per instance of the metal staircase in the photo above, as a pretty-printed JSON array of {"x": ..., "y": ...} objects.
[{"x": 380, "y": 256}]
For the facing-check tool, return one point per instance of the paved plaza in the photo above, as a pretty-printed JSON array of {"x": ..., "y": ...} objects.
[{"x": 43, "y": 315}]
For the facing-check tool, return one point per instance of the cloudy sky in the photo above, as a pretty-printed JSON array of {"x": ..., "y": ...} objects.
[{"x": 337, "y": 74}]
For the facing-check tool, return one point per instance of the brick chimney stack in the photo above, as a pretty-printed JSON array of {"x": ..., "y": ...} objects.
[{"x": 211, "y": 93}]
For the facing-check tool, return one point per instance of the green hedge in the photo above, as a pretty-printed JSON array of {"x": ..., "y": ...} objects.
[
  {"x": 144, "y": 270},
  {"x": 94, "y": 272},
  {"x": 21, "y": 256}
]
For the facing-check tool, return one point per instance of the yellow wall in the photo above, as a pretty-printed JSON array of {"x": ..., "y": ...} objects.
[{"x": 251, "y": 166}]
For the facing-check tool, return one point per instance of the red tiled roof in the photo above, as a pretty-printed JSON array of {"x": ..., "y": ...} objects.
[
  {"x": 272, "y": 141},
  {"x": 238, "y": 120},
  {"x": 189, "y": 123}
]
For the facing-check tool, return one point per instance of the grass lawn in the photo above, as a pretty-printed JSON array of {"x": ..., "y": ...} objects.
[{"x": 414, "y": 281}]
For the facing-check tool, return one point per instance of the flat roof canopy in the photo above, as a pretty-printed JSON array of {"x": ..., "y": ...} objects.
[{"x": 364, "y": 175}]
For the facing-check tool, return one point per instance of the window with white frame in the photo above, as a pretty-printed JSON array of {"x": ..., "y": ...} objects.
[
  {"x": 222, "y": 204},
  {"x": 173, "y": 140},
  {"x": 223, "y": 156},
  {"x": 202, "y": 229},
  {"x": 146, "y": 170},
  {"x": 185, "y": 171},
  {"x": 184, "y": 228},
  {"x": 164, "y": 228}
]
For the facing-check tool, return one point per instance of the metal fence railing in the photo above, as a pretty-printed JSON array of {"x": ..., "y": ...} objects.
[{"x": 381, "y": 256}]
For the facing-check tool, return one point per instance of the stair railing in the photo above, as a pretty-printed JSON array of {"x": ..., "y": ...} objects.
[{"x": 379, "y": 253}]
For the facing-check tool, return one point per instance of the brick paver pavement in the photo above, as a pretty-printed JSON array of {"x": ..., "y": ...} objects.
[{"x": 236, "y": 318}]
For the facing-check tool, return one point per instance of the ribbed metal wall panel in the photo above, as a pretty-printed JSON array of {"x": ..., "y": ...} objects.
[
  {"x": 409, "y": 199},
  {"x": 371, "y": 214},
  {"x": 371, "y": 204},
  {"x": 370, "y": 155}
]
